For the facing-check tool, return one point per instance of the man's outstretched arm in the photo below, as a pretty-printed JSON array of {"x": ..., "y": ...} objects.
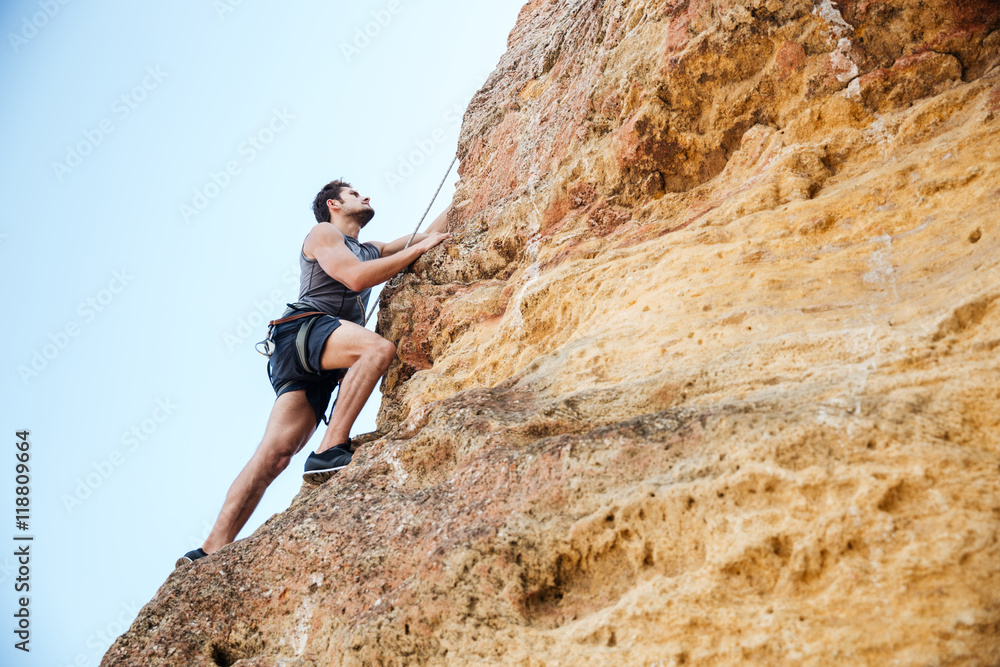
[
  {"x": 436, "y": 227},
  {"x": 326, "y": 244}
]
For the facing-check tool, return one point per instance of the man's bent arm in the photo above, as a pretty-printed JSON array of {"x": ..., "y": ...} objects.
[
  {"x": 337, "y": 260},
  {"x": 436, "y": 227},
  {"x": 439, "y": 222}
]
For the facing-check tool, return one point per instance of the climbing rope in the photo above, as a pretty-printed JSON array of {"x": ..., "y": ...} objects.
[{"x": 372, "y": 309}]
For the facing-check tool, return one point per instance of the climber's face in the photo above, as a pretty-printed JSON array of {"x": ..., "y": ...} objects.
[{"x": 353, "y": 206}]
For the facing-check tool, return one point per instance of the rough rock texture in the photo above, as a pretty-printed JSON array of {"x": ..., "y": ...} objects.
[{"x": 708, "y": 375}]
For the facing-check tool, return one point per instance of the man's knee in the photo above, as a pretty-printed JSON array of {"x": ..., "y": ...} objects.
[
  {"x": 387, "y": 352},
  {"x": 273, "y": 456},
  {"x": 275, "y": 464}
]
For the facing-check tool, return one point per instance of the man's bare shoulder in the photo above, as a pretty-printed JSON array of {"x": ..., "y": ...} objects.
[
  {"x": 325, "y": 231},
  {"x": 322, "y": 234}
]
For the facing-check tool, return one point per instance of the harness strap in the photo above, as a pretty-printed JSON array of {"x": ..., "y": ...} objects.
[
  {"x": 292, "y": 318},
  {"x": 298, "y": 308},
  {"x": 301, "y": 336}
]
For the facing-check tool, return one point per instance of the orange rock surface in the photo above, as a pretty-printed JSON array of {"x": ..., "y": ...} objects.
[{"x": 707, "y": 376}]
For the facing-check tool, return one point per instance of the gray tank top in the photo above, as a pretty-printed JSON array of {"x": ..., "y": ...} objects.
[{"x": 320, "y": 291}]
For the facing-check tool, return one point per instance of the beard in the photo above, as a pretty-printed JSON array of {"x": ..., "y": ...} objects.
[{"x": 363, "y": 216}]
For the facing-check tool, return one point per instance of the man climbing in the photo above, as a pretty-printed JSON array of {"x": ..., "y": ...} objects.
[{"x": 325, "y": 344}]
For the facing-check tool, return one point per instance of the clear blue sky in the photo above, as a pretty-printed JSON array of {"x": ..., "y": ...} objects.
[{"x": 160, "y": 161}]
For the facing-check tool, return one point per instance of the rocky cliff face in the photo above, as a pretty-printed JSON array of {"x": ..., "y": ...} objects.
[{"x": 708, "y": 375}]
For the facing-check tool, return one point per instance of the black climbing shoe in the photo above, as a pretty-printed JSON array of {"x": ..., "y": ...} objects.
[
  {"x": 190, "y": 557},
  {"x": 321, "y": 467}
]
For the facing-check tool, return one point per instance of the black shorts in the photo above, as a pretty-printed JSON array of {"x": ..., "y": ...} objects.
[{"x": 288, "y": 371}]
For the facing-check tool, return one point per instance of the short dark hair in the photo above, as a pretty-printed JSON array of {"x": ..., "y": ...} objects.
[{"x": 330, "y": 191}]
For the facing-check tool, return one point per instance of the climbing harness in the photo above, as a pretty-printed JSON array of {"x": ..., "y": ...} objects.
[{"x": 300, "y": 337}]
